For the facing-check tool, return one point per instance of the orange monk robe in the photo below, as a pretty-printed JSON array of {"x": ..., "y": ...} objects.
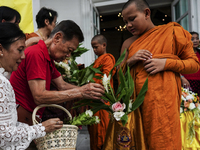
[
  {"x": 30, "y": 35},
  {"x": 160, "y": 109},
  {"x": 98, "y": 131}
]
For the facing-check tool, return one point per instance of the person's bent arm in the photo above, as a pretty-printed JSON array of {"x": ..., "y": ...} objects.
[
  {"x": 43, "y": 96},
  {"x": 61, "y": 85},
  {"x": 183, "y": 48}
]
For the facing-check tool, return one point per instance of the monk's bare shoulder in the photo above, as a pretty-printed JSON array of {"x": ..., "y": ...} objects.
[{"x": 127, "y": 43}]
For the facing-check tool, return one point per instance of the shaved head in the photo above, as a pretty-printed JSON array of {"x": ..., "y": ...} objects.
[
  {"x": 140, "y": 4},
  {"x": 99, "y": 38}
]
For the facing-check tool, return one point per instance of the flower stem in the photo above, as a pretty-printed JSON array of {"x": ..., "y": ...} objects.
[{"x": 112, "y": 92}]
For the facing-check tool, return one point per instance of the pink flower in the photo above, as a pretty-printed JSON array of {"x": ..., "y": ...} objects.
[
  {"x": 189, "y": 100},
  {"x": 118, "y": 106},
  {"x": 80, "y": 127},
  {"x": 186, "y": 104}
]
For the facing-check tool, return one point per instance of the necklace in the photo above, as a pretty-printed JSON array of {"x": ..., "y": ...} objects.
[{"x": 40, "y": 34}]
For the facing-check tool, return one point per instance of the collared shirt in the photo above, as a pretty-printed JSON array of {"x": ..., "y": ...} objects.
[{"x": 36, "y": 65}]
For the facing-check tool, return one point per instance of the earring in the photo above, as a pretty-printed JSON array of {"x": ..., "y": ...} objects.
[{"x": 1, "y": 54}]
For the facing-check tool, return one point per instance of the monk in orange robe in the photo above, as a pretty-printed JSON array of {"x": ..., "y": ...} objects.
[
  {"x": 107, "y": 61},
  {"x": 162, "y": 52}
]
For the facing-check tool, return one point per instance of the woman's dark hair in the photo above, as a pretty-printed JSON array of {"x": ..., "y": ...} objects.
[
  {"x": 10, "y": 33},
  {"x": 70, "y": 29},
  {"x": 43, "y": 14},
  {"x": 8, "y": 14},
  {"x": 193, "y": 32}
]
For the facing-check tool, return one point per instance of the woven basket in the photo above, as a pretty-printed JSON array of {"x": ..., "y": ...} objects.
[{"x": 61, "y": 139}]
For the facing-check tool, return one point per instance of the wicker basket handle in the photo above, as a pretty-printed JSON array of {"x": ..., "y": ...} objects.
[{"x": 48, "y": 105}]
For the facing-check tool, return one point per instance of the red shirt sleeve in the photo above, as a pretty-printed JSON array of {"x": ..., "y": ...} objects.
[{"x": 37, "y": 62}]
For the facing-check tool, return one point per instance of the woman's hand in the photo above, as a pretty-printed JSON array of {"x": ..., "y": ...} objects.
[
  {"x": 52, "y": 124},
  {"x": 184, "y": 82},
  {"x": 141, "y": 55}
]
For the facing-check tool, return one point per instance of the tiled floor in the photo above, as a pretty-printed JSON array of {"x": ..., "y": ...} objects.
[{"x": 83, "y": 140}]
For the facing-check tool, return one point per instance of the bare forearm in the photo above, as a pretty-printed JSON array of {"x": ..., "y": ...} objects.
[
  {"x": 66, "y": 86},
  {"x": 56, "y": 97}
]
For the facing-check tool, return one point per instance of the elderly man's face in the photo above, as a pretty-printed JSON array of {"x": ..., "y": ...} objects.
[{"x": 64, "y": 49}]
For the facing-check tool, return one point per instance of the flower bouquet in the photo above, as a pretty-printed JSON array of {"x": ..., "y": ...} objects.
[
  {"x": 85, "y": 119},
  {"x": 189, "y": 101},
  {"x": 190, "y": 104},
  {"x": 121, "y": 103},
  {"x": 70, "y": 69}
]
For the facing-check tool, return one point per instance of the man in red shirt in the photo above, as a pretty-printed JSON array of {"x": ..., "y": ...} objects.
[{"x": 31, "y": 82}]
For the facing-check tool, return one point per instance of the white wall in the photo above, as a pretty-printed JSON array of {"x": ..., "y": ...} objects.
[{"x": 80, "y": 11}]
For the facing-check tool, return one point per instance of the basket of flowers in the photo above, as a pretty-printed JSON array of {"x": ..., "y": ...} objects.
[{"x": 64, "y": 138}]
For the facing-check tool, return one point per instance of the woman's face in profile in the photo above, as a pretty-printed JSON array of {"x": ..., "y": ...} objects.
[
  {"x": 53, "y": 24},
  {"x": 195, "y": 40},
  {"x": 13, "y": 56}
]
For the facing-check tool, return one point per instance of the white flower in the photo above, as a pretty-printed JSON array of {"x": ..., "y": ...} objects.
[
  {"x": 118, "y": 115},
  {"x": 190, "y": 97},
  {"x": 97, "y": 119},
  {"x": 192, "y": 106},
  {"x": 130, "y": 106},
  {"x": 89, "y": 113},
  {"x": 198, "y": 106},
  {"x": 181, "y": 110},
  {"x": 183, "y": 98},
  {"x": 106, "y": 81}
]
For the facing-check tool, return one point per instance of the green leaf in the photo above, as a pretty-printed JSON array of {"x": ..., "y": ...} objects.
[
  {"x": 97, "y": 77},
  {"x": 111, "y": 99},
  {"x": 96, "y": 70},
  {"x": 122, "y": 93},
  {"x": 130, "y": 80},
  {"x": 122, "y": 79},
  {"x": 120, "y": 59},
  {"x": 78, "y": 52},
  {"x": 140, "y": 98},
  {"x": 84, "y": 80},
  {"x": 105, "y": 107},
  {"x": 124, "y": 119}
]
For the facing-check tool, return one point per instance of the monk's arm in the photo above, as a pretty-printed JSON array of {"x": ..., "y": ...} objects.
[
  {"x": 183, "y": 66},
  {"x": 108, "y": 65},
  {"x": 183, "y": 48}
]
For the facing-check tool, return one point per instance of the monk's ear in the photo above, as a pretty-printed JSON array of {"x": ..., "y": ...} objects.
[
  {"x": 147, "y": 12},
  {"x": 104, "y": 45}
]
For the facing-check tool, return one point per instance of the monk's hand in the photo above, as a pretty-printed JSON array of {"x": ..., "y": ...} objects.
[
  {"x": 153, "y": 66},
  {"x": 92, "y": 91},
  {"x": 141, "y": 55}
]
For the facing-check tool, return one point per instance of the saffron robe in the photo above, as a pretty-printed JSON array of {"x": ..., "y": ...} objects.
[
  {"x": 30, "y": 35},
  {"x": 98, "y": 131},
  {"x": 161, "y": 107}
]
